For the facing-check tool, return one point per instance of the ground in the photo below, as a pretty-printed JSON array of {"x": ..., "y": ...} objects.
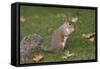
[{"x": 44, "y": 21}]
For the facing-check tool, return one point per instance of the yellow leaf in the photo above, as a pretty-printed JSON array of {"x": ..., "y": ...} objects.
[
  {"x": 22, "y": 19},
  {"x": 50, "y": 29},
  {"x": 90, "y": 36},
  {"x": 67, "y": 55}
]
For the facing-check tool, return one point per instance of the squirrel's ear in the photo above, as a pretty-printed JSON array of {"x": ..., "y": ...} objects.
[{"x": 75, "y": 19}]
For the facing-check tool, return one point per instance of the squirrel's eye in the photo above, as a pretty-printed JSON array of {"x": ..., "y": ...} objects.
[{"x": 69, "y": 23}]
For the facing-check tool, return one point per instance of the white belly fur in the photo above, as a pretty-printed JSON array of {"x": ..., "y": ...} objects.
[
  {"x": 65, "y": 38},
  {"x": 67, "y": 31}
]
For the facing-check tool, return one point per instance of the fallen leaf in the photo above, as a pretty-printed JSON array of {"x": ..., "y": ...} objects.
[
  {"x": 87, "y": 36},
  {"x": 91, "y": 39},
  {"x": 67, "y": 52},
  {"x": 90, "y": 36},
  {"x": 64, "y": 57},
  {"x": 22, "y": 19},
  {"x": 50, "y": 29},
  {"x": 37, "y": 57},
  {"x": 67, "y": 55}
]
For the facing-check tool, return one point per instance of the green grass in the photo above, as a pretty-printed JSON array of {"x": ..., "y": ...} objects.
[{"x": 40, "y": 19}]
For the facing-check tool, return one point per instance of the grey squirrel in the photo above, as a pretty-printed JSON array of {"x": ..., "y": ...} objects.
[{"x": 58, "y": 39}]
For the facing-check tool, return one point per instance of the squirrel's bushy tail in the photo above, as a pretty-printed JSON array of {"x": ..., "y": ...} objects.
[{"x": 27, "y": 43}]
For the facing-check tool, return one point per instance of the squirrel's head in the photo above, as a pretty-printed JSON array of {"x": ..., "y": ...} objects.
[{"x": 69, "y": 24}]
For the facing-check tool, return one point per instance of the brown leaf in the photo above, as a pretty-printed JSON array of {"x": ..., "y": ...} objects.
[{"x": 37, "y": 57}]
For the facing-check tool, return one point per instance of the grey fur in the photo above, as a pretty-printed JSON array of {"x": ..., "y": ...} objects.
[{"x": 27, "y": 43}]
